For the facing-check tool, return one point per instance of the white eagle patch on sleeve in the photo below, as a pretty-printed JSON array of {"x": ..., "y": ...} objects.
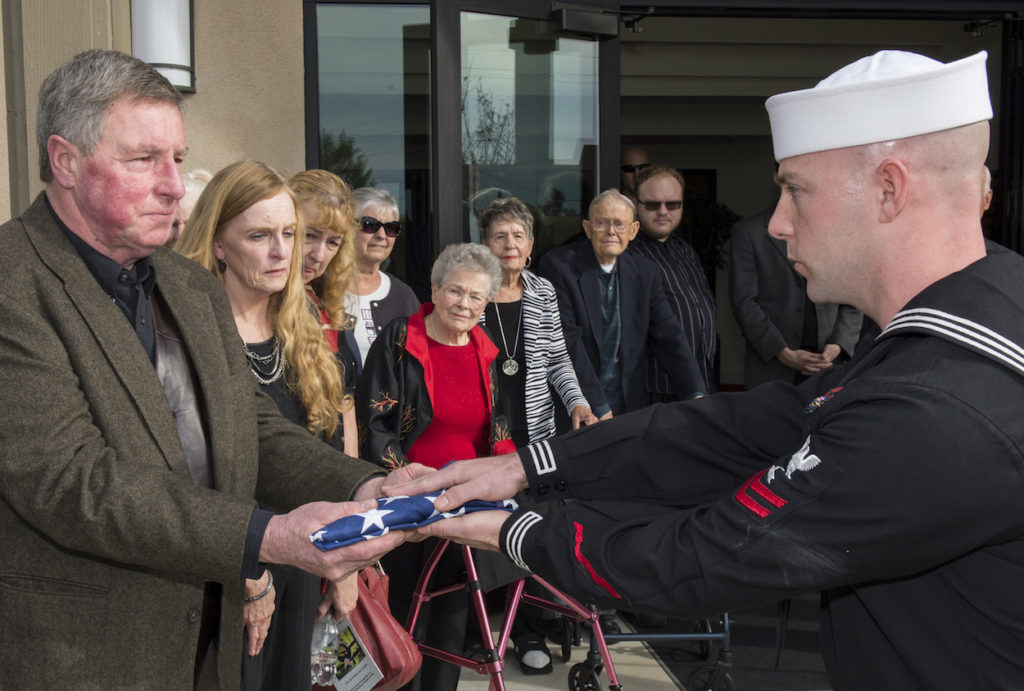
[{"x": 803, "y": 460}]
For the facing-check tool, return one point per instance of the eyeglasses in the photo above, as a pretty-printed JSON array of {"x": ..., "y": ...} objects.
[
  {"x": 476, "y": 300},
  {"x": 635, "y": 167},
  {"x": 603, "y": 224},
  {"x": 371, "y": 225},
  {"x": 654, "y": 206}
]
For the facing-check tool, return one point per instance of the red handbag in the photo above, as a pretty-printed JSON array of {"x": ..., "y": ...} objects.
[{"x": 390, "y": 645}]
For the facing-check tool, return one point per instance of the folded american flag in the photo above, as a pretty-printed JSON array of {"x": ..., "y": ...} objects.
[{"x": 396, "y": 513}]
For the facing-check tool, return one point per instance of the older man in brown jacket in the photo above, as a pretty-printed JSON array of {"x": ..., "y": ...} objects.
[{"x": 125, "y": 549}]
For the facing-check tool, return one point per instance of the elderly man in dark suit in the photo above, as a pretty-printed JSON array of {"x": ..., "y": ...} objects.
[
  {"x": 134, "y": 441},
  {"x": 613, "y": 307},
  {"x": 788, "y": 337}
]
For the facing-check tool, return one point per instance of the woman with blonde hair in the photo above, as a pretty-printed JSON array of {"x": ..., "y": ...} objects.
[
  {"x": 243, "y": 229},
  {"x": 328, "y": 265}
]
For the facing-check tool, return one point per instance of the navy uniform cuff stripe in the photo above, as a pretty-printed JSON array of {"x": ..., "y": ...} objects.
[
  {"x": 543, "y": 457},
  {"x": 516, "y": 534}
]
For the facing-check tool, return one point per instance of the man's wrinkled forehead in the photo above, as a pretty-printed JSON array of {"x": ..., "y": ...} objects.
[
  {"x": 133, "y": 137},
  {"x": 612, "y": 208}
]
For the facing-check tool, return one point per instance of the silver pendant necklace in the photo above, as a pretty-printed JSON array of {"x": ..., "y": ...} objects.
[
  {"x": 259, "y": 363},
  {"x": 510, "y": 366}
]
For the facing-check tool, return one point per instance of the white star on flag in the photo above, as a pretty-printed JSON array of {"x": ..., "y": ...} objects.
[{"x": 374, "y": 518}]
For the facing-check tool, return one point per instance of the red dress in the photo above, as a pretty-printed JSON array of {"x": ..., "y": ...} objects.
[{"x": 460, "y": 427}]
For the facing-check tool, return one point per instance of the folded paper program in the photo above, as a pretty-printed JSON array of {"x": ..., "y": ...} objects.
[{"x": 396, "y": 513}]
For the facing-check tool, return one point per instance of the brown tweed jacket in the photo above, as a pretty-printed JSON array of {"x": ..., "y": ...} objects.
[{"x": 106, "y": 540}]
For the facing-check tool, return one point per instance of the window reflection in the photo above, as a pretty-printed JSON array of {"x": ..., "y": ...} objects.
[
  {"x": 374, "y": 111},
  {"x": 529, "y": 122}
]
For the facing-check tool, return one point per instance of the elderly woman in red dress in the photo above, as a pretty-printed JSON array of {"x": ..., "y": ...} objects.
[{"x": 427, "y": 395}]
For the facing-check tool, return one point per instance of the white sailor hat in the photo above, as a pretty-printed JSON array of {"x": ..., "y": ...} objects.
[{"x": 889, "y": 95}]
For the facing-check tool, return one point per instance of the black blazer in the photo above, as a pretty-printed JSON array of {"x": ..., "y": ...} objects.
[{"x": 647, "y": 322}]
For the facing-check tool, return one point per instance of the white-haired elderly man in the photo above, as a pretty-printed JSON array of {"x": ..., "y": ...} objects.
[{"x": 893, "y": 484}]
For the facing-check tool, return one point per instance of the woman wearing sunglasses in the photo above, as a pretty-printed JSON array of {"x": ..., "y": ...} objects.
[{"x": 375, "y": 297}]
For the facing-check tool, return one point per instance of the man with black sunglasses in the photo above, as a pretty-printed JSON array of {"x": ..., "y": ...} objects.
[
  {"x": 634, "y": 160},
  {"x": 660, "y": 212}
]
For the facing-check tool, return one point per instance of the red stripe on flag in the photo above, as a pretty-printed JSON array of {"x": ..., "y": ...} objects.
[{"x": 588, "y": 566}]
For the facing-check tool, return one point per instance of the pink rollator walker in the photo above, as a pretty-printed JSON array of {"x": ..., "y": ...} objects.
[{"x": 585, "y": 674}]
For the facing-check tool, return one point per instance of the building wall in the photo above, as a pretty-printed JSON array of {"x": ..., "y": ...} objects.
[
  {"x": 249, "y": 80},
  {"x": 51, "y": 32},
  {"x": 249, "y": 85},
  {"x": 5, "y": 177}
]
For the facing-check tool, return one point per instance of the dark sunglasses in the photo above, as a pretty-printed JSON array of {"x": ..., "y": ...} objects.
[
  {"x": 635, "y": 167},
  {"x": 654, "y": 206},
  {"x": 371, "y": 225}
]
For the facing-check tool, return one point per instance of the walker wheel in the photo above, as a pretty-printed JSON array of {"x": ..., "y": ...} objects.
[
  {"x": 582, "y": 677},
  {"x": 566, "y": 645},
  {"x": 703, "y": 626},
  {"x": 561, "y": 632},
  {"x": 705, "y": 679}
]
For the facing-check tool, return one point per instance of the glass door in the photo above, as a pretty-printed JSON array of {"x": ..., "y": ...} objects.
[
  {"x": 529, "y": 122},
  {"x": 452, "y": 102},
  {"x": 369, "y": 113}
]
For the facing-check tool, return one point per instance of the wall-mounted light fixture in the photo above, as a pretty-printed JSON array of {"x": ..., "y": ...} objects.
[{"x": 162, "y": 37}]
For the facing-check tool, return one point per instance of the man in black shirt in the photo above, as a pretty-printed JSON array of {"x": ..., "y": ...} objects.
[{"x": 660, "y": 211}]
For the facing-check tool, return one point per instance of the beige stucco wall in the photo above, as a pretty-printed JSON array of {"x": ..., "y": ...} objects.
[
  {"x": 249, "y": 85},
  {"x": 53, "y": 31},
  {"x": 249, "y": 78}
]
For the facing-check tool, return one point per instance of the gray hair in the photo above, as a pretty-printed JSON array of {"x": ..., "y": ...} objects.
[
  {"x": 612, "y": 193},
  {"x": 75, "y": 98},
  {"x": 195, "y": 181},
  {"x": 467, "y": 256},
  {"x": 373, "y": 198},
  {"x": 507, "y": 209}
]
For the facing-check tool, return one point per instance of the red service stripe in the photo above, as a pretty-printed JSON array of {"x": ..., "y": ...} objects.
[
  {"x": 741, "y": 497},
  {"x": 759, "y": 487},
  {"x": 588, "y": 566}
]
